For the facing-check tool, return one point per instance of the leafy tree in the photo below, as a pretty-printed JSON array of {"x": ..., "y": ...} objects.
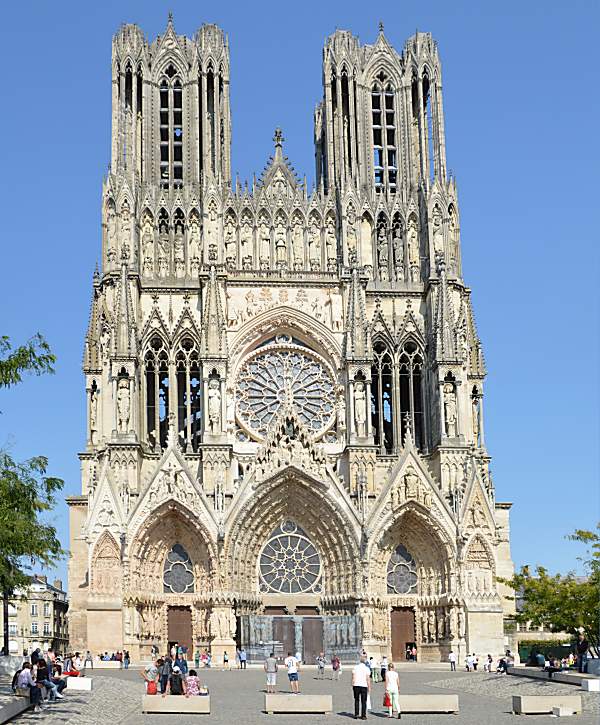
[
  {"x": 26, "y": 493},
  {"x": 564, "y": 602}
]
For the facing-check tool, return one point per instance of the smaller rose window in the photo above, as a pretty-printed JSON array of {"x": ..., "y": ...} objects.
[
  {"x": 401, "y": 572},
  {"x": 289, "y": 563},
  {"x": 178, "y": 573}
]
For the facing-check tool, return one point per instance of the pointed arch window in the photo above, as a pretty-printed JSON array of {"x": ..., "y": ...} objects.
[
  {"x": 178, "y": 572},
  {"x": 382, "y": 398},
  {"x": 410, "y": 369},
  {"x": 156, "y": 366},
  {"x": 401, "y": 572},
  {"x": 383, "y": 123},
  {"x": 171, "y": 128},
  {"x": 189, "y": 394}
]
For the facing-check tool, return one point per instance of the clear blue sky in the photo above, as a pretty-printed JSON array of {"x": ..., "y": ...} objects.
[{"x": 522, "y": 110}]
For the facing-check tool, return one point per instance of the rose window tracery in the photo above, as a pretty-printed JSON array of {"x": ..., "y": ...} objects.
[
  {"x": 401, "y": 572},
  {"x": 178, "y": 572},
  {"x": 284, "y": 373},
  {"x": 289, "y": 562}
]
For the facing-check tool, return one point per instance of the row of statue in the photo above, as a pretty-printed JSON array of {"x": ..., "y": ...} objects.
[{"x": 440, "y": 623}]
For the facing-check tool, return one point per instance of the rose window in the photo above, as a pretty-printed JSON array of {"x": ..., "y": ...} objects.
[
  {"x": 289, "y": 563},
  {"x": 178, "y": 573},
  {"x": 401, "y": 572},
  {"x": 281, "y": 373}
]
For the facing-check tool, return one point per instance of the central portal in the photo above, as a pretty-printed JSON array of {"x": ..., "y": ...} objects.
[
  {"x": 403, "y": 631},
  {"x": 180, "y": 627}
]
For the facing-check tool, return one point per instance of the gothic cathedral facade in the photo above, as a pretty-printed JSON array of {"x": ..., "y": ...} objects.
[{"x": 285, "y": 444}]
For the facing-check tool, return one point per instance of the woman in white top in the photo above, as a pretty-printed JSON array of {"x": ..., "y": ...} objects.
[{"x": 392, "y": 689}]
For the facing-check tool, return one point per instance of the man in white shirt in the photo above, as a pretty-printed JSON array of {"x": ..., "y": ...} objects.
[
  {"x": 293, "y": 667},
  {"x": 361, "y": 684},
  {"x": 452, "y": 661}
]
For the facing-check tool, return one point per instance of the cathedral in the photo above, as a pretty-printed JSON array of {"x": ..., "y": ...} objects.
[{"x": 284, "y": 385}]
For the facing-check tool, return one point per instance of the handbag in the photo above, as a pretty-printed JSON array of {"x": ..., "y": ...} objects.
[
  {"x": 387, "y": 700},
  {"x": 151, "y": 688}
]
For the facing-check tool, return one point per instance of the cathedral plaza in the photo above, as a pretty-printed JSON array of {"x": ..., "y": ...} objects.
[{"x": 285, "y": 386}]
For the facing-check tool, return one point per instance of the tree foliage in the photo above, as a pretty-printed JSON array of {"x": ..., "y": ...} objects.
[
  {"x": 34, "y": 356},
  {"x": 564, "y": 602}
]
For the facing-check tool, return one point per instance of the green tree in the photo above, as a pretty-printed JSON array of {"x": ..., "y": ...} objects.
[
  {"x": 26, "y": 492},
  {"x": 564, "y": 602}
]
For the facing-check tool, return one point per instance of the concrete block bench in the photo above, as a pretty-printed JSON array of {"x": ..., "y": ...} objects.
[
  {"x": 428, "y": 703},
  {"x": 544, "y": 704},
  {"x": 198, "y": 705},
  {"x": 107, "y": 665},
  {"x": 11, "y": 706},
  {"x": 282, "y": 702},
  {"x": 79, "y": 683},
  {"x": 592, "y": 685}
]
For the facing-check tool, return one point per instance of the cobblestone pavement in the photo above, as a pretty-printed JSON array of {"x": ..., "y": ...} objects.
[{"x": 237, "y": 697}]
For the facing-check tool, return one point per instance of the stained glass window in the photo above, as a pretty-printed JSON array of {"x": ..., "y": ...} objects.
[
  {"x": 178, "y": 574},
  {"x": 290, "y": 563},
  {"x": 401, "y": 572},
  {"x": 280, "y": 373}
]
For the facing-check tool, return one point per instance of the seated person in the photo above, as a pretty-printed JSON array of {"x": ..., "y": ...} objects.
[
  {"x": 26, "y": 682},
  {"x": 60, "y": 682},
  {"x": 182, "y": 664},
  {"x": 192, "y": 684},
  {"x": 502, "y": 668},
  {"x": 175, "y": 683}
]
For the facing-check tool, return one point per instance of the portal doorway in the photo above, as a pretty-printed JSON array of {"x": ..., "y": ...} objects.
[
  {"x": 180, "y": 627},
  {"x": 312, "y": 639},
  {"x": 284, "y": 635},
  {"x": 403, "y": 631}
]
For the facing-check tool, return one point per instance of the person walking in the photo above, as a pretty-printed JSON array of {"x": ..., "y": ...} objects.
[
  {"x": 126, "y": 659},
  {"x": 413, "y": 653},
  {"x": 384, "y": 667},
  {"x": 270, "y": 668},
  {"x": 582, "y": 650},
  {"x": 226, "y": 661},
  {"x": 336, "y": 667},
  {"x": 374, "y": 671},
  {"x": 361, "y": 685},
  {"x": 321, "y": 664},
  {"x": 88, "y": 659},
  {"x": 293, "y": 669},
  {"x": 243, "y": 658},
  {"x": 392, "y": 690},
  {"x": 452, "y": 661}
]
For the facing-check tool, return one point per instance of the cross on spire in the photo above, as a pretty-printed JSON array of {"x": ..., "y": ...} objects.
[
  {"x": 381, "y": 26},
  {"x": 278, "y": 137}
]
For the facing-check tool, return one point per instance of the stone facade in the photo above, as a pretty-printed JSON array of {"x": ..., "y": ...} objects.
[
  {"x": 284, "y": 386},
  {"x": 37, "y": 617}
]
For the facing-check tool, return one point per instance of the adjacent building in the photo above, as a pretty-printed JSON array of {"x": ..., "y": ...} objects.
[
  {"x": 284, "y": 385},
  {"x": 37, "y": 617}
]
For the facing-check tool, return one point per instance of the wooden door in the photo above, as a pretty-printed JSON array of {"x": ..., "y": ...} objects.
[
  {"x": 312, "y": 639},
  {"x": 284, "y": 633},
  {"x": 180, "y": 627},
  {"x": 403, "y": 631}
]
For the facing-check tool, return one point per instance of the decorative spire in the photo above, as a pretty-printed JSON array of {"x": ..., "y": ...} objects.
[
  {"x": 215, "y": 339},
  {"x": 357, "y": 335},
  {"x": 444, "y": 319},
  {"x": 278, "y": 140},
  {"x": 170, "y": 20},
  {"x": 125, "y": 342}
]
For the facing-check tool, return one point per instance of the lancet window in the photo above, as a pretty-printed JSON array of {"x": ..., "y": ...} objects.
[
  {"x": 178, "y": 572},
  {"x": 189, "y": 394},
  {"x": 410, "y": 369},
  {"x": 382, "y": 398},
  {"x": 156, "y": 364},
  {"x": 171, "y": 128},
  {"x": 383, "y": 123}
]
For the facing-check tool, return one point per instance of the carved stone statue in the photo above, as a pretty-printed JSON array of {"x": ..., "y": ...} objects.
[
  {"x": 280, "y": 247},
  {"x": 360, "y": 399},
  {"x": 298, "y": 244},
  {"x": 398, "y": 249},
  {"x": 314, "y": 245},
  {"x": 123, "y": 406},
  {"x": 330, "y": 243},
  {"x": 194, "y": 243},
  {"x": 220, "y": 492},
  {"x": 450, "y": 410},
  {"x": 214, "y": 405},
  {"x": 412, "y": 241},
  {"x": 246, "y": 239},
  {"x": 148, "y": 242},
  {"x": 211, "y": 226},
  {"x": 230, "y": 245},
  {"x": 265, "y": 246},
  {"x": 437, "y": 231},
  {"x": 351, "y": 236},
  {"x": 462, "y": 625},
  {"x": 111, "y": 234},
  {"x": 93, "y": 415},
  {"x": 431, "y": 626},
  {"x": 382, "y": 253}
]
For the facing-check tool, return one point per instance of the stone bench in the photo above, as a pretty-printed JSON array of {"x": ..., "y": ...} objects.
[
  {"x": 107, "y": 665},
  {"x": 79, "y": 683},
  {"x": 544, "y": 704},
  {"x": 282, "y": 702},
  {"x": 199, "y": 704},
  {"x": 590, "y": 685},
  {"x": 12, "y": 706},
  {"x": 428, "y": 703}
]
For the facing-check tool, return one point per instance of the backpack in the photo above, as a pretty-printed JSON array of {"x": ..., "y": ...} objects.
[
  {"x": 176, "y": 686},
  {"x": 151, "y": 688}
]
